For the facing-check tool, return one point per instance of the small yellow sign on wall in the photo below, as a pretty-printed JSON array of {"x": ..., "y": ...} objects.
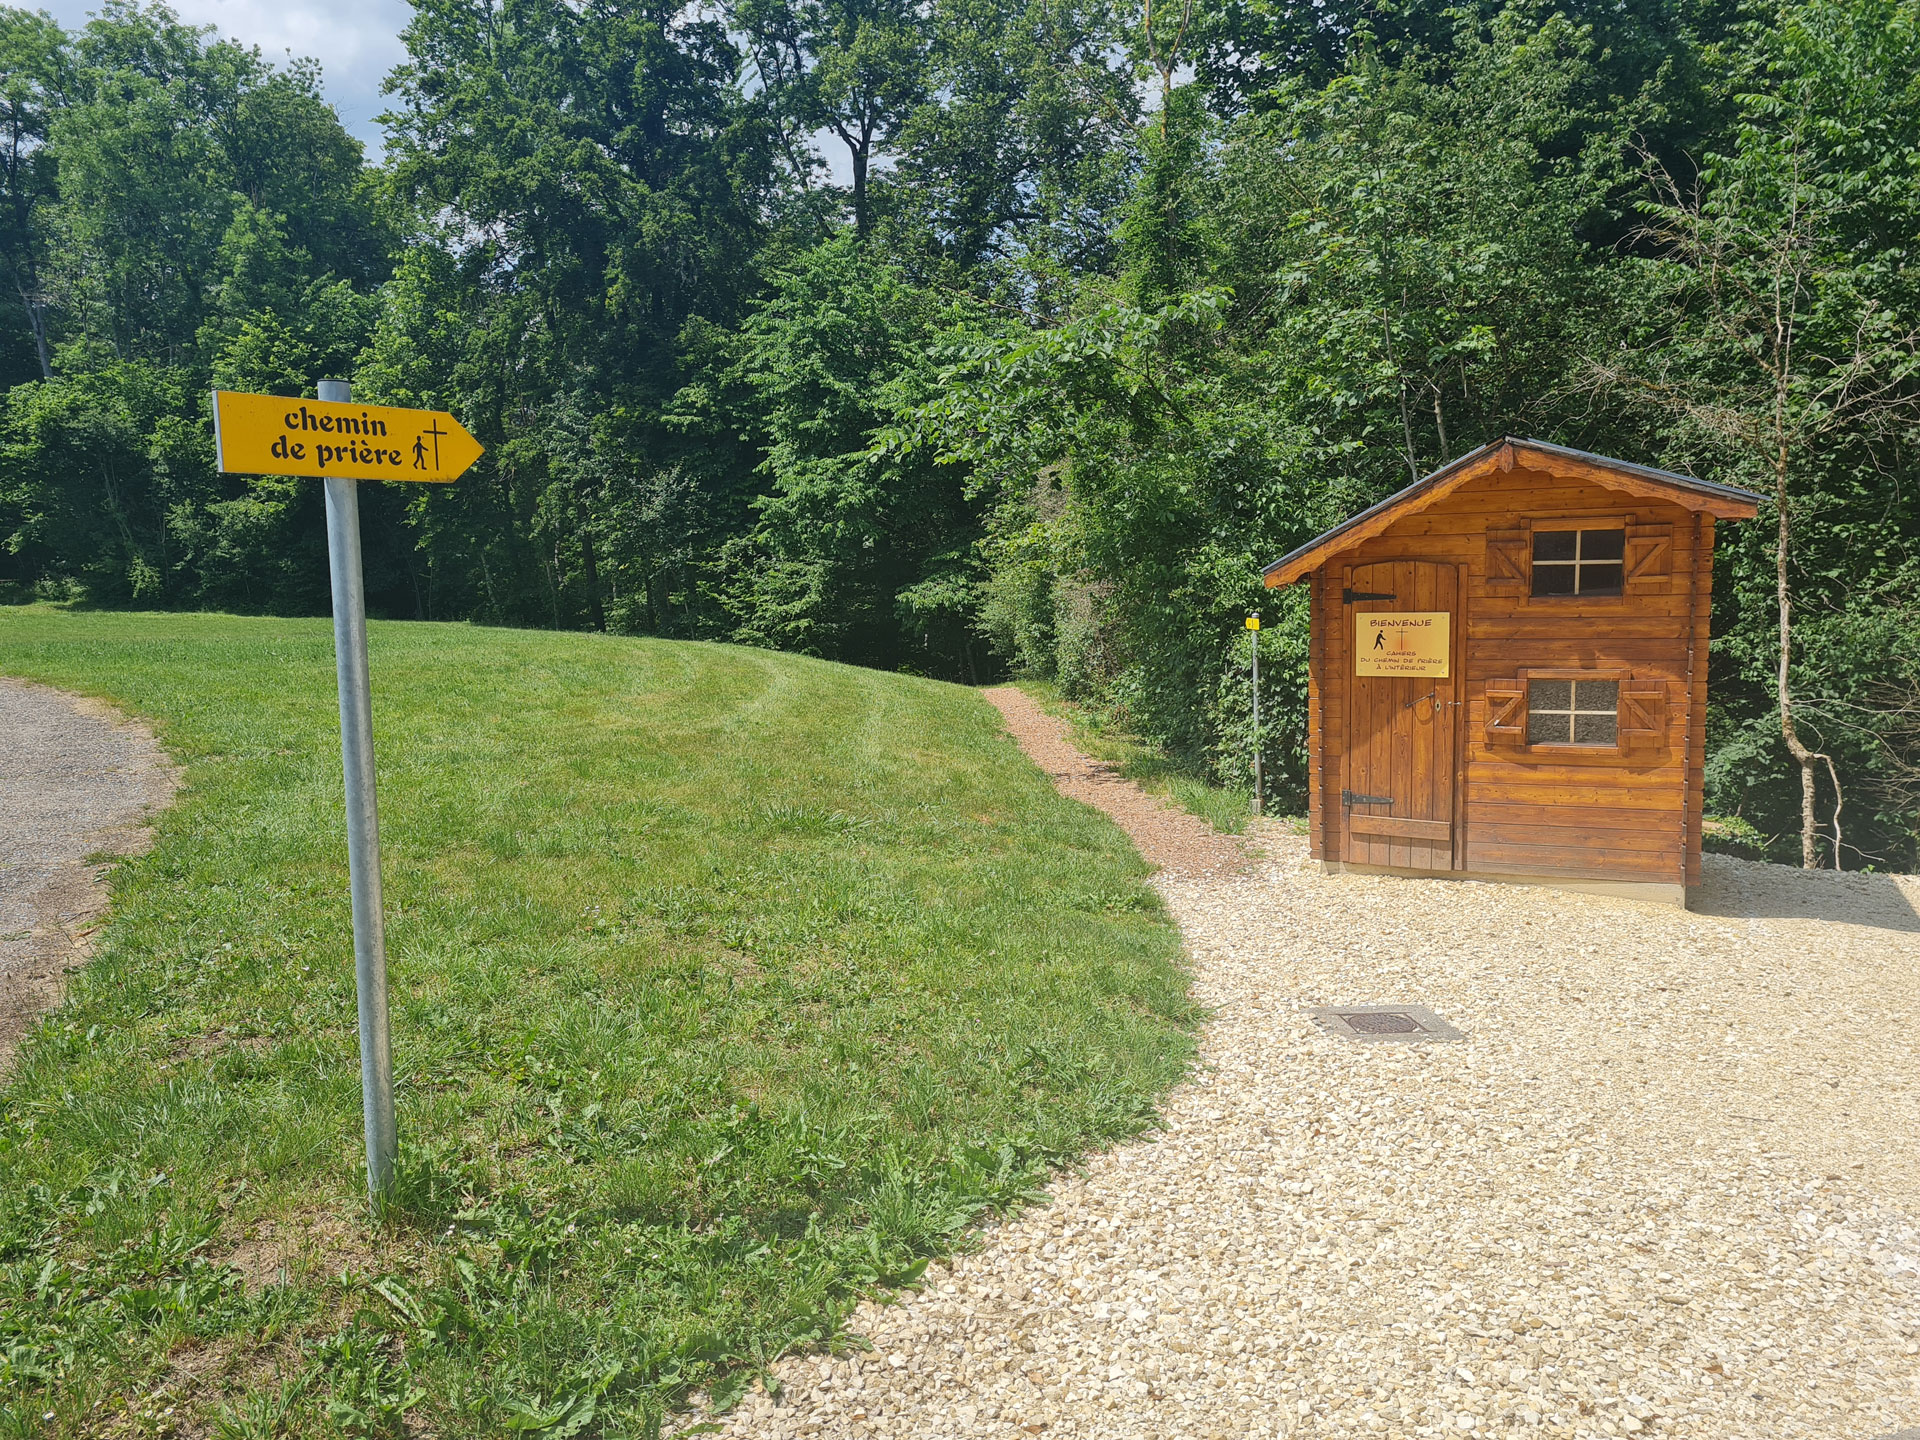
[{"x": 1404, "y": 643}]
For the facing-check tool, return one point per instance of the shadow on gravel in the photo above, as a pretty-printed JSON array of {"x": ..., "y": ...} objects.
[{"x": 1748, "y": 890}]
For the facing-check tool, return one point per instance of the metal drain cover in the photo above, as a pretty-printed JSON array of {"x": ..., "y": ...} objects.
[
  {"x": 1381, "y": 1022},
  {"x": 1385, "y": 1022}
]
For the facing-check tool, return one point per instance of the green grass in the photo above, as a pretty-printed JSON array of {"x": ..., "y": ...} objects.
[
  {"x": 727, "y": 987},
  {"x": 1182, "y": 781}
]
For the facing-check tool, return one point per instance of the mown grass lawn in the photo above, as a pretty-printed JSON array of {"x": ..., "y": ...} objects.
[{"x": 727, "y": 986}]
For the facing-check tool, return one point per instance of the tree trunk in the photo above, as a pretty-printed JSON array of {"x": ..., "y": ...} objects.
[
  {"x": 1169, "y": 64},
  {"x": 1406, "y": 415},
  {"x": 1806, "y": 759},
  {"x": 37, "y": 319},
  {"x": 595, "y": 611},
  {"x": 861, "y": 220},
  {"x": 493, "y": 596}
]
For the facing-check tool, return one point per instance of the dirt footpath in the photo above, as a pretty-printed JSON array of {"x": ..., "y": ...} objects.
[
  {"x": 77, "y": 782},
  {"x": 1667, "y": 1184},
  {"x": 1168, "y": 837}
]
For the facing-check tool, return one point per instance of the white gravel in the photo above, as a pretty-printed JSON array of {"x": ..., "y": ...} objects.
[{"x": 1668, "y": 1184}]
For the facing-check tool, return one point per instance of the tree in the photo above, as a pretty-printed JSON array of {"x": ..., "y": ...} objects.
[
  {"x": 1162, "y": 38},
  {"x": 600, "y": 189},
  {"x": 1052, "y": 371},
  {"x": 1012, "y": 167},
  {"x": 1792, "y": 342},
  {"x": 854, "y": 67},
  {"x": 36, "y": 75},
  {"x": 858, "y": 554},
  {"x": 145, "y": 198},
  {"x": 205, "y": 219}
]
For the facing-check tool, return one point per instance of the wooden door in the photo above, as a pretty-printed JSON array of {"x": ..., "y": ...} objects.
[{"x": 1398, "y": 794}]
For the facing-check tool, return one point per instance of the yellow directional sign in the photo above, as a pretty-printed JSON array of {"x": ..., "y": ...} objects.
[{"x": 268, "y": 435}]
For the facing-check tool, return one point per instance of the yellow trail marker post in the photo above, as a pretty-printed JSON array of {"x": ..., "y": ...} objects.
[
  {"x": 1253, "y": 644},
  {"x": 342, "y": 443}
]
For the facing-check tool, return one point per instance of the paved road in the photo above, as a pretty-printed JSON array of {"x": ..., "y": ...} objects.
[{"x": 76, "y": 781}]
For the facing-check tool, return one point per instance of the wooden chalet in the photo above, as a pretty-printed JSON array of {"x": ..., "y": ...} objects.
[{"x": 1508, "y": 672}]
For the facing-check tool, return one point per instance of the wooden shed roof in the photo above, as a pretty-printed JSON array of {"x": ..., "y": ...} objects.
[{"x": 1728, "y": 502}]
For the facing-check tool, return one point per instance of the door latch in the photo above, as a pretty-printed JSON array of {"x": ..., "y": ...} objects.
[
  {"x": 1351, "y": 798},
  {"x": 1350, "y": 595}
]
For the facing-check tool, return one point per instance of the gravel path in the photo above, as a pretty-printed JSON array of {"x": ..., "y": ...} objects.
[
  {"x": 76, "y": 783},
  {"x": 1668, "y": 1184}
]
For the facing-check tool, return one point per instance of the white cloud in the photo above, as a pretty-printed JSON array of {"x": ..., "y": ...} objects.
[{"x": 356, "y": 42}]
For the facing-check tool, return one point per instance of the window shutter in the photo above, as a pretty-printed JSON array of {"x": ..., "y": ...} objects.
[
  {"x": 1507, "y": 558},
  {"x": 1643, "y": 714},
  {"x": 1649, "y": 558},
  {"x": 1506, "y": 711}
]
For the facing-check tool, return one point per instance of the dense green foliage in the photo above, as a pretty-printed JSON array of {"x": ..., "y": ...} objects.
[
  {"x": 964, "y": 337},
  {"x": 727, "y": 986}
]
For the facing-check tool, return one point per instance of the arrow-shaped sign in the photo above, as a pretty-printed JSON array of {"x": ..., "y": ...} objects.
[{"x": 268, "y": 435}]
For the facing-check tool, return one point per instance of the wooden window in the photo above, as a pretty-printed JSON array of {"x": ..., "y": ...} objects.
[
  {"x": 1573, "y": 712},
  {"x": 1579, "y": 562},
  {"x": 1607, "y": 711}
]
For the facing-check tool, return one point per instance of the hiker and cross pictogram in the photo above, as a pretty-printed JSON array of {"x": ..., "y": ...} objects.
[{"x": 420, "y": 446}]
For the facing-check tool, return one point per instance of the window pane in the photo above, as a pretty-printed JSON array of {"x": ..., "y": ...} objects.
[
  {"x": 1544, "y": 728},
  {"x": 1548, "y": 729},
  {"x": 1595, "y": 730},
  {"x": 1549, "y": 695},
  {"x": 1603, "y": 544},
  {"x": 1553, "y": 579},
  {"x": 1597, "y": 695},
  {"x": 1602, "y": 579},
  {"x": 1554, "y": 544}
]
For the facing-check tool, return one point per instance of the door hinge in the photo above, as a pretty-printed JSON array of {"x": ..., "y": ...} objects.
[
  {"x": 1348, "y": 797},
  {"x": 1349, "y": 596}
]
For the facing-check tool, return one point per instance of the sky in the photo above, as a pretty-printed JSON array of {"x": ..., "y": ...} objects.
[{"x": 356, "y": 42}]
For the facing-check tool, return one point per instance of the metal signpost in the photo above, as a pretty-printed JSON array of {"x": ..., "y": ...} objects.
[
  {"x": 1253, "y": 642},
  {"x": 266, "y": 434}
]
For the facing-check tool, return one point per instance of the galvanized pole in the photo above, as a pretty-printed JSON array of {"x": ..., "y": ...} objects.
[
  {"x": 1253, "y": 639},
  {"x": 363, "y": 819}
]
